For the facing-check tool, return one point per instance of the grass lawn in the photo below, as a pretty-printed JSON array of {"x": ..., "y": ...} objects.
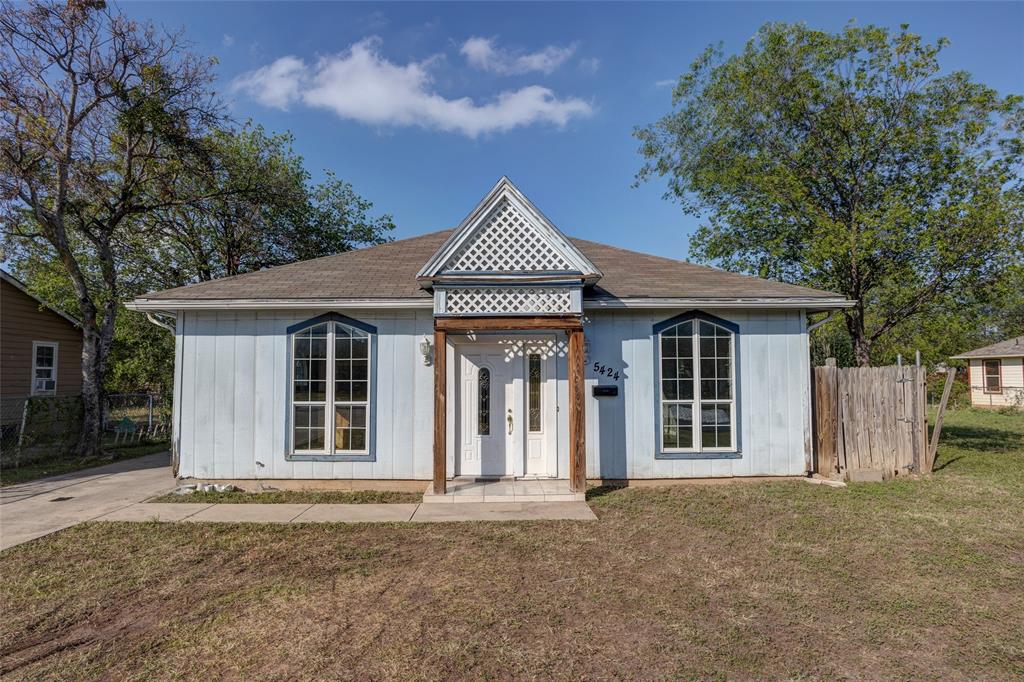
[
  {"x": 66, "y": 464},
  {"x": 919, "y": 579},
  {"x": 299, "y": 497}
]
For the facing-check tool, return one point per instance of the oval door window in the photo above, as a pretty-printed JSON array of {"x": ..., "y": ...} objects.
[{"x": 483, "y": 378}]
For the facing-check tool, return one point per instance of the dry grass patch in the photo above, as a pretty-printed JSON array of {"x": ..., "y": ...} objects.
[
  {"x": 298, "y": 497},
  {"x": 909, "y": 579}
]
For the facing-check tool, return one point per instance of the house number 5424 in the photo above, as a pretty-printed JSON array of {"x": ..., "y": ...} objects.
[{"x": 605, "y": 370}]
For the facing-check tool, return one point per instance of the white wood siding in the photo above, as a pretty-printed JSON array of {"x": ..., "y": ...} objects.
[
  {"x": 773, "y": 399},
  {"x": 1012, "y": 392},
  {"x": 231, "y": 420},
  {"x": 231, "y": 409}
]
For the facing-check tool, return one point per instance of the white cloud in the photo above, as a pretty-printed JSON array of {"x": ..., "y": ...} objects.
[
  {"x": 360, "y": 84},
  {"x": 667, "y": 83},
  {"x": 228, "y": 40},
  {"x": 483, "y": 54},
  {"x": 275, "y": 85},
  {"x": 589, "y": 65}
]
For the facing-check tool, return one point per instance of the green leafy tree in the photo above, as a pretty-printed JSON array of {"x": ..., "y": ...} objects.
[
  {"x": 96, "y": 114},
  {"x": 257, "y": 207},
  {"x": 848, "y": 162}
]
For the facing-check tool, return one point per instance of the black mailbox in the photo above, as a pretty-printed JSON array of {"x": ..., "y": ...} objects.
[{"x": 603, "y": 391}]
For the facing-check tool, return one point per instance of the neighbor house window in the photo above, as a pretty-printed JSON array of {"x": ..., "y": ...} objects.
[
  {"x": 331, "y": 386},
  {"x": 697, "y": 384},
  {"x": 993, "y": 376},
  {"x": 44, "y": 368}
]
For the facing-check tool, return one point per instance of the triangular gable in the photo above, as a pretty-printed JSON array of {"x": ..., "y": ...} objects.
[{"x": 506, "y": 235}]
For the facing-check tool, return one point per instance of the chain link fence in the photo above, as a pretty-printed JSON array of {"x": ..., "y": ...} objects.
[{"x": 41, "y": 429}]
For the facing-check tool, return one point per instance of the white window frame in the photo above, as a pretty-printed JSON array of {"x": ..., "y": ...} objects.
[
  {"x": 697, "y": 402},
  {"x": 329, "y": 403},
  {"x": 56, "y": 354}
]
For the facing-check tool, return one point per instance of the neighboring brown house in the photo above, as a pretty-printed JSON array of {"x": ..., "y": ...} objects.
[{"x": 40, "y": 348}]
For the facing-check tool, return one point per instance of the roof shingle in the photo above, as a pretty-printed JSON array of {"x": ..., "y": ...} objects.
[
  {"x": 389, "y": 271},
  {"x": 1010, "y": 348}
]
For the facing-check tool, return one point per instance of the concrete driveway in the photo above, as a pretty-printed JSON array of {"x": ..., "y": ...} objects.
[{"x": 31, "y": 510}]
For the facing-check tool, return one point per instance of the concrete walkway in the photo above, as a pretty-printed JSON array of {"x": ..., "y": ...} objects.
[
  {"x": 350, "y": 513},
  {"x": 37, "y": 508},
  {"x": 115, "y": 492}
]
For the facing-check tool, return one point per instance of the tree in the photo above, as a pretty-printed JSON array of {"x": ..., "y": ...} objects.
[
  {"x": 98, "y": 118},
  {"x": 257, "y": 207},
  {"x": 846, "y": 162}
]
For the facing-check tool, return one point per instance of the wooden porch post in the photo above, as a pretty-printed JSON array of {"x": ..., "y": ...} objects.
[
  {"x": 577, "y": 422},
  {"x": 440, "y": 410}
]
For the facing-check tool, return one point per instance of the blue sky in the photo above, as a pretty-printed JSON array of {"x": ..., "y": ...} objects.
[{"x": 423, "y": 106}]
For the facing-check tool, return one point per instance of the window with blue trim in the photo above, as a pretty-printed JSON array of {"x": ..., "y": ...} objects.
[
  {"x": 697, "y": 392},
  {"x": 331, "y": 383}
]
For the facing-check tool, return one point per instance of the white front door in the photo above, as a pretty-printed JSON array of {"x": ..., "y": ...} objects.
[
  {"x": 506, "y": 406},
  {"x": 486, "y": 412}
]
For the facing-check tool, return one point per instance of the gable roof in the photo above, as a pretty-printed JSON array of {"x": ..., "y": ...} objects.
[
  {"x": 388, "y": 273},
  {"x": 506, "y": 214},
  {"x": 16, "y": 283},
  {"x": 1010, "y": 348}
]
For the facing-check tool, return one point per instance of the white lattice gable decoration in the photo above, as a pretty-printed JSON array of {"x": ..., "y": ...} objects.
[
  {"x": 504, "y": 300},
  {"x": 506, "y": 235},
  {"x": 507, "y": 242}
]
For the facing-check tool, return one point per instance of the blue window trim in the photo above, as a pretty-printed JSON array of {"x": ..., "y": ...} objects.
[
  {"x": 660, "y": 453},
  {"x": 371, "y": 427}
]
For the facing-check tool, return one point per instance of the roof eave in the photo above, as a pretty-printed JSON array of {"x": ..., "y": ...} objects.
[
  {"x": 172, "y": 305},
  {"x": 811, "y": 304}
]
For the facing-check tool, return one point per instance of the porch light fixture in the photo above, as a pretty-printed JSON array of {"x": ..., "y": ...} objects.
[{"x": 426, "y": 350}]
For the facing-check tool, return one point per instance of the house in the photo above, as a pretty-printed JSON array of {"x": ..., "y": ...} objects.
[
  {"x": 501, "y": 348},
  {"x": 40, "y": 351},
  {"x": 996, "y": 374}
]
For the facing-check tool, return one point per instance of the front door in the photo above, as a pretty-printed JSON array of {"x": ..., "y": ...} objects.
[
  {"x": 506, "y": 407},
  {"x": 486, "y": 414}
]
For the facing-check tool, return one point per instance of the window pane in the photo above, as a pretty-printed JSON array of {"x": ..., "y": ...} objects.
[
  {"x": 360, "y": 390},
  {"x": 668, "y": 346},
  {"x": 342, "y": 348},
  {"x": 669, "y": 369},
  {"x": 359, "y": 369},
  {"x": 686, "y": 389},
  {"x": 342, "y": 391},
  {"x": 361, "y": 348},
  {"x": 358, "y": 416},
  {"x": 343, "y": 370},
  {"x": 358, "y": 439},
  {"x": 483, "y": 422},
  {"x": 44, "y": 356},
  {"x": 677, "y": 422},
  {"x": 708, "y": 389},
  {"x": 316, "y": 439},
  {"x": 534, "y": 393},
  {"x": 318, "y": 390},
  {"x": 716, "y": 422},
  {"x": 301, "y": 391}
]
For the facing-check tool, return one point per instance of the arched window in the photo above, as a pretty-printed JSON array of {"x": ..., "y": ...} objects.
[
  {"x": 331, "y": 386},
  {"x": 697, "y": 384}
]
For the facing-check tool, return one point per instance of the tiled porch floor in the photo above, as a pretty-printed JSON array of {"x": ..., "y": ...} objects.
[{"x": 505, "y": 490}]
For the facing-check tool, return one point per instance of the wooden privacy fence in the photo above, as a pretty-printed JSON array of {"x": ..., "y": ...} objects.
[{"x": 871, "y": 418}]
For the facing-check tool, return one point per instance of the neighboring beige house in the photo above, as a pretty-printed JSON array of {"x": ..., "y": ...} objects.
[{"x": 996, "y": 373}]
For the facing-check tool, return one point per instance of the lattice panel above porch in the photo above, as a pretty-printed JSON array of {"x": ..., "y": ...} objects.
[
  {"x": 508, "y": 242},
  {"x": 508, "y": 300}
]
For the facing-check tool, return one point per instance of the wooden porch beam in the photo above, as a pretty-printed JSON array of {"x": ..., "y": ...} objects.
[
  {"x": 577, "y": 420},
  {"x": 440, "y": 411},
  {"x": 481, "y": 324}
]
